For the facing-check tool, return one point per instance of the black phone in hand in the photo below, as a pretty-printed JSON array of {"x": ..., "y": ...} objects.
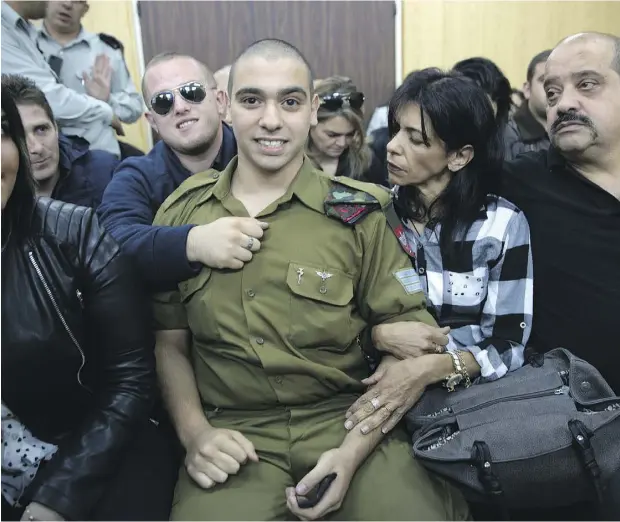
[{"x": 314, "y": 496}]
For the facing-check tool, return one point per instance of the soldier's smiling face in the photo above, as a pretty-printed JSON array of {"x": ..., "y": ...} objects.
[{"x": 272, "y": 109}]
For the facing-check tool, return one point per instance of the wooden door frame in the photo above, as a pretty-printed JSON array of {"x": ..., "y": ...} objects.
[{"x": 398, "y": 46}]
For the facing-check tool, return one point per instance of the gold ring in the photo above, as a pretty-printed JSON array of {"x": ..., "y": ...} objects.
[{"x": 375, "y": 403}]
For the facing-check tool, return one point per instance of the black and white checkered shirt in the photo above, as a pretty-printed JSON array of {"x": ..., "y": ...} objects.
[{"x": 485, "y": 293}]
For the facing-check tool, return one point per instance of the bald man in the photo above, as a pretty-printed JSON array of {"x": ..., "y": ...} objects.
[
  {"x": 185, "y": 108},
  {"x": 221, "y": 80},
  {"x": 571, "y": 197}
]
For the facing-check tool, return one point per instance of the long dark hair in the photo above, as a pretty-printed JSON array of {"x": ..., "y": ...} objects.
[
  {"x": 460, "y": 114},
  {"x": 492, "y": 80},
  {"x": 17, "y": 214}
]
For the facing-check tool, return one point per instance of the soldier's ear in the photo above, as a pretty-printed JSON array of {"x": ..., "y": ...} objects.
[
  {"x": 85, "y": 8},
  {"x": 314, "y": 107}
]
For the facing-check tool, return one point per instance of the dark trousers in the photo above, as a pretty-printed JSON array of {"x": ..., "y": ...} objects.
[{"x": 143, "y": 486}]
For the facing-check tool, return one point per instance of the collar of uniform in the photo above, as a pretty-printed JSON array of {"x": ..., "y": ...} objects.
[
  {"x": 83, "y": 36},
  {"x": 222, "y": 186},
  {"x": 306, "y": 186}
]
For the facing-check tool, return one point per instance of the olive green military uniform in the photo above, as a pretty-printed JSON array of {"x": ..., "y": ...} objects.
[{"x": 276, "y": 353}]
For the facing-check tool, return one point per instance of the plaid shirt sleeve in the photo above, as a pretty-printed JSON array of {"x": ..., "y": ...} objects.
[{"x": 506, "y": 319}]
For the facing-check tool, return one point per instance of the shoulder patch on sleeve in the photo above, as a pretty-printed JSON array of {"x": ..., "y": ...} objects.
[
  {"x": 409, "y": 280},
  {"x": 111, "y": 41},
  {"x": 351, "y": 201}
]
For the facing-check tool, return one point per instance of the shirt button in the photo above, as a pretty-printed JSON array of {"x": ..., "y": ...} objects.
[
  {"x": 422, "y": 271},
  {"x": 260, "y": 340},
  {"x": 251, "y": 293},
  {"x": 278, "y": 380},
  {"x": 523, "y": 325},
  {"x": 216, "y": 175}
]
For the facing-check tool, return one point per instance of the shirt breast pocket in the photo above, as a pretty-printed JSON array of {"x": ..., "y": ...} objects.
[
  {"x": 321, "y": 302},
  {"x": 468, "y": 289},
  {"x": 195, "y": 296}
]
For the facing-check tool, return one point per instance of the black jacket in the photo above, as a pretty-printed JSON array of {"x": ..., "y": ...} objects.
[{"x": 77, "y": 366}]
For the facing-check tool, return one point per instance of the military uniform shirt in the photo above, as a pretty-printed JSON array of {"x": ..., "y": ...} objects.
[
  {"x": 76, "y": 114},
  {"x": 78, "y": 56},
  {"x": 285, "y": 329}
]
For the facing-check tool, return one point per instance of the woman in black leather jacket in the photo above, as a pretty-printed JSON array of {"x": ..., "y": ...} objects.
[{"x": 77, "y": 365}]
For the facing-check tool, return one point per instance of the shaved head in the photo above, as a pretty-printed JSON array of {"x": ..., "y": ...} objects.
[
  {"x": 221, "y": 77},
  {"x": 612, "y": 40},
  {"x": 167, "y": 57},
  {"x": 271, "y": 49}
]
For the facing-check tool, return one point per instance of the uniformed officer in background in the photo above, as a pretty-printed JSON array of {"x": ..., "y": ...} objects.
[
  {"x": 92, "y": 64},
  {"x": 259, "y": 365}
]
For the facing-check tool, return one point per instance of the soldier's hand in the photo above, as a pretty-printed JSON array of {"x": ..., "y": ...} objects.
[
  {"x": 216, "y": 453},
  {"x": 228, "y": 242},
  {"x": 410, "y": 339},
  {"x": 99, "y": 83}
]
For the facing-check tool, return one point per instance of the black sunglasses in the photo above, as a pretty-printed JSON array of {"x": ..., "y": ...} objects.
[
  {"x": 333, "y": 102},
  {"x": 163, "y": 101}
]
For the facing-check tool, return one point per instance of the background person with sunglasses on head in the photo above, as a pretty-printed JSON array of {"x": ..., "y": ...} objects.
[
  {"x": 337, "y": 144},
  {"x": 186, "y": 110}
]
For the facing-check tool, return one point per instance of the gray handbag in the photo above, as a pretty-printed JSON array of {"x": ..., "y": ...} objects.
[{"x": 542, "y": 436}]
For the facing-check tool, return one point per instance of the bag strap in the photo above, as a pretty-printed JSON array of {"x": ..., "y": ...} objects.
[
  {"x": 481, "y": 457},
  {"x": 398, "y": 228},
  {"x": 581, "y": 442}
]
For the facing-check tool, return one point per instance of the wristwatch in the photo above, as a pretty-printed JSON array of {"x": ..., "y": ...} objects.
[{"x": 460, "y": 373}]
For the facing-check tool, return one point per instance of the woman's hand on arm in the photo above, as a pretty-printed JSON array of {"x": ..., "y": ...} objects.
[{"x": 408, "y": 339}]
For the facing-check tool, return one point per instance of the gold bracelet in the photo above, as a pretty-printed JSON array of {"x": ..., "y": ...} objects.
[{"x": 464, "y": 371}]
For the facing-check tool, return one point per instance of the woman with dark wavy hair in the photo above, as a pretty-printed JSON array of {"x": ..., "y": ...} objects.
[
  {"x": 78, "y": 370},
  {"x": 470, "y": 249}
]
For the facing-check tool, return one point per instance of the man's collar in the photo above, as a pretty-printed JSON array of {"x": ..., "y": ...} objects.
[
  {"x": 82, "y": 36},
  {"x": 529, "y": 127},
  {"x": 306, "y": 186}
]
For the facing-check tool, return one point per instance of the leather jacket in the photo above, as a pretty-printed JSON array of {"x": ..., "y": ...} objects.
[{"x": 78, "y": 367}]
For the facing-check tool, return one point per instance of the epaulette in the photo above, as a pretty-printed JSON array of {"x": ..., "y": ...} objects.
[
  {"x": 350, "y": 201},
  {"x": 195, "y": 182},
  {"x": 114, "y": 43}
]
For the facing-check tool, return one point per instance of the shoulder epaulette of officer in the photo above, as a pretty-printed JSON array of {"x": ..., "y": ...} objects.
[
  {"x": 200, "y": 180},
  {"x": 350, "y": 201},
  {"x": 114, "y": 43}
]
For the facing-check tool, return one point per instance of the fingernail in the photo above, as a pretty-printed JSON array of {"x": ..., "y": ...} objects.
[
  {"x": 347, "y": 415},
  {"x": 364, "y": 430},
  {"x": 301, "y": 489},
  {"x": 348, "y": 425},
  {"x": 384, "y": 430}
]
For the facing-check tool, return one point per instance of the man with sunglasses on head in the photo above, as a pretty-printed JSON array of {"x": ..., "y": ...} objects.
[{"x": 185, "y": 108}]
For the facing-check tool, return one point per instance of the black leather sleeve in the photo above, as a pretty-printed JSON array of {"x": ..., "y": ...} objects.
[{"x": 123, "y": 388}]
